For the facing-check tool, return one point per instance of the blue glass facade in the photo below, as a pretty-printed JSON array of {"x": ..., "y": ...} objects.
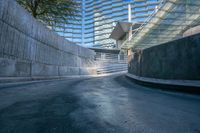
[
  {"x": 98, "y": 18},
  {"x": 72, "y": 30}
]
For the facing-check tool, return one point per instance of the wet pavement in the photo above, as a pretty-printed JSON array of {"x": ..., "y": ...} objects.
[{"x": 112, "y": 104}]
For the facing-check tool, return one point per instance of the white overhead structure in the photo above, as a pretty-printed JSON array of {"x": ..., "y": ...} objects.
[
  {"x": 129, "y": 12},
  {"x": 120, "y": 30},
  {"x": 168, "y": 22}
]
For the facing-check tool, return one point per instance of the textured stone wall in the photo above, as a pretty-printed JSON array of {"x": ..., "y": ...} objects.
[
  {"x": 28, "y": 48},
  {"x": 179, "y": 59}
]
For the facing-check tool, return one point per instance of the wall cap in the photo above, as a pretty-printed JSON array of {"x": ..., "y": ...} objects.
[{"x": 185, "y": 83}]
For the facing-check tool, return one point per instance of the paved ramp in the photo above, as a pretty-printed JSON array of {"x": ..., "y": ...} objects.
[{"x": 110, "y": 104}]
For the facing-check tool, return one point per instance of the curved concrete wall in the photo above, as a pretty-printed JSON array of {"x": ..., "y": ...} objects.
[
  {"x": 176, "y": 60},
  {"x": 28, "y": 48}
]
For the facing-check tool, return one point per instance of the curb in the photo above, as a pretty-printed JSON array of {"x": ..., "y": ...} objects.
[{"x": 189, "y": 86}]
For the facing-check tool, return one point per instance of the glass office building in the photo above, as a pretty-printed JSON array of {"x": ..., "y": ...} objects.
[
  {"x": 98, "y": 18},
  {"x": 72, "y": 29}
]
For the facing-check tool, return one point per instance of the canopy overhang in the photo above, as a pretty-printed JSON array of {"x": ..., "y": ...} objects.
[
  {"x": 120, "y": 30},
  {"x": 168, "y": 23}
]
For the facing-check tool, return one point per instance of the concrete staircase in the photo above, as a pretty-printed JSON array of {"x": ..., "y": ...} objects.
[{"x": 110, "y": 63}]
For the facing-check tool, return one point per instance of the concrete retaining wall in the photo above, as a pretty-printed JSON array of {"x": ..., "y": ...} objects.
[
  {"x": 176, "y": 60},
  {"x": 28, "y": 48}
]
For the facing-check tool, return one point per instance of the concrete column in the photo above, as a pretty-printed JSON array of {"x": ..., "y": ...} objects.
[
  {"x": 129, "y": 12},
  {"x": 130, "y": 33}
]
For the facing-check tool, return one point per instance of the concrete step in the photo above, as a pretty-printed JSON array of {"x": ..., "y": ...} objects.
[
  {"x": 115, "y": 67},
  {"x": 110, "y": 61},
  {"x": 112, "y": 69},
  {"x": 111, "y": 64},
  {"x": 108, "y": 64},
  {"x": 111, "y": 58}
]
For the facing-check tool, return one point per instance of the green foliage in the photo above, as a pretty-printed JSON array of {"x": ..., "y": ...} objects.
[{"x": 51, "y": 12}]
